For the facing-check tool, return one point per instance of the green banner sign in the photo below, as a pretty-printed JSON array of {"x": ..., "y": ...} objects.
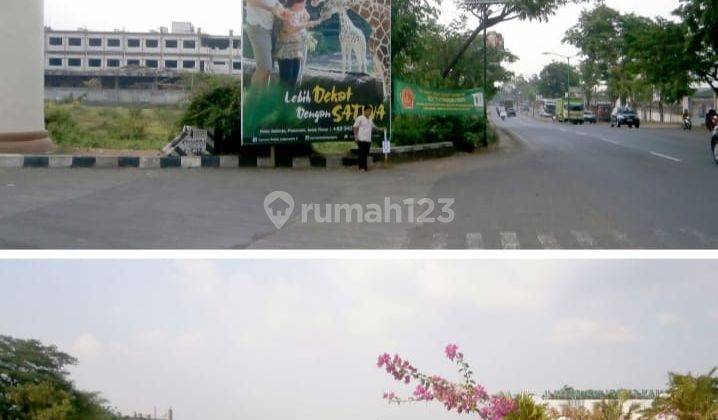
[{"x": 416, "y": 100}]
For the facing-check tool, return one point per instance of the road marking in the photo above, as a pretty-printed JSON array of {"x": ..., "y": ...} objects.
[
  {"x": 661, "y": 155},
  {"x": 610, "y": 141},
  {"x": 474, "y": 241},
  {"x": 548, "y": 241},
  {"x": 582, "y": 133},
  {"x": 510, "y": 240},
  {"x": 621, "y": 238},
  {"x": 702, "y": 237},
  {"x": 661, "y": 235},
  {"x": 440, "y": 241},
  {"x": 585, "y": 240}
]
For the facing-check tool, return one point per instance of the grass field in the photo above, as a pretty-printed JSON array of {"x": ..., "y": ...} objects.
[{"x": 77, "y": 126}]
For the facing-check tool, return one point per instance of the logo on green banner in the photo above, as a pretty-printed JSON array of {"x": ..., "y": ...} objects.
[{"x": 417, "y": 100}]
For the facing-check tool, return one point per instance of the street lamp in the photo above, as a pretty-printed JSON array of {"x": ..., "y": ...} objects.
[{"x": 568, "y": 61}]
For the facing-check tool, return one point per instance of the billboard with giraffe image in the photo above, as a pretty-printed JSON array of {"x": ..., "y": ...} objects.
[{"x": 310, "y": 68}]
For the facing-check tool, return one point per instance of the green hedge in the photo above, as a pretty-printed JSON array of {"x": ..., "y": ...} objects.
[{"x": 464, "y": 132}]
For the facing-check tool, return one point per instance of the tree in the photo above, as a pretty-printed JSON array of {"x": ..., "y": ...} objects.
[
  {"x": 688, "y": 397},
  {"x": 540, "y": 10},
  {"x": 701, "y": 20},
  {"x": 615, "y": 409},
  {"x": 656, "y": 50},
  {"x": 597, "y": 35},
  {"x": 553, "y": 80},
  {"x": 34, "y": 385}
]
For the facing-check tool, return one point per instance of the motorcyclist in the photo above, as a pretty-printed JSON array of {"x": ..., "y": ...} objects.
[{"x": 686, "y": 118}]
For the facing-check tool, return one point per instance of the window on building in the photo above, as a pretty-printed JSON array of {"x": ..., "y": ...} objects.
[
  {"x": 220, "y": 63},
  {"x": 153, "y": 64},
  {"x": 152, "y": 43},
  {"x": 189, "y": 45},
  {"x": 133, "y": 63},
  {"x": 236, "y": 44},
  {"x": 114, "y": 42},
  {"x": 188, "y": 64},
  {"x": 237, "y": 65},
  {"x": 75, "y": 42},
  {"x": 113, "y": 62},
  {"x": 171, "y": 43},
  {"x": 55, "y": 62},
  {"x": 133, "y": 43},
  {"x": 95, "y": 42},
  {"x": 94, "y": 62},
  {"x": 171, "y": 64},
  {"x": 74, "y": 62},
  {"x": 56, "y": 41}
]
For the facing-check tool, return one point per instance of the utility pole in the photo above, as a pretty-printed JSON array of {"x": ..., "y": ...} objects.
[{"x": 485, "y": 141}]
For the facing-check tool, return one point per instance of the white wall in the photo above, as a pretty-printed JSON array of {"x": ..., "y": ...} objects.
[{"x": 21, "y": 75}]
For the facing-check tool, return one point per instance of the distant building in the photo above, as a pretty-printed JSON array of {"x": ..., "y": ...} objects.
[{"x": 119, "y": 58}]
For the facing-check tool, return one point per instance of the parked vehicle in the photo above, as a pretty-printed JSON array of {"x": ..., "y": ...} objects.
[
  {"x": 570, "y": 110},
  {"x": 625, "y": 116},
  {"x": 589, "y": 117},
  {"x": 502, "y": 114},
  {"x": 510, "y": 112}
]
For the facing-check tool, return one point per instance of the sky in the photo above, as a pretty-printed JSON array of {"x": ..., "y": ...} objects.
[
  {"x": 527, "y": 40},
  {"x": 299, "y": 339}
]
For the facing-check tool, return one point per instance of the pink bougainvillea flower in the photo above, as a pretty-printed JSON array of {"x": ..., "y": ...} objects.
[{"x": 451, "y": 350}]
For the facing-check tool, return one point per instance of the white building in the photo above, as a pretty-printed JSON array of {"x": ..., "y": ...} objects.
[{"x": 183, "y": 49}]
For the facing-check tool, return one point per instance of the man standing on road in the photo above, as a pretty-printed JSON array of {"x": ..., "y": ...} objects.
[{"x": 363, "y": 127}]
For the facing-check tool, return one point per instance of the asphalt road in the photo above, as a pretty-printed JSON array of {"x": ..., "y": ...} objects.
[{"x": 551, "y": 186}]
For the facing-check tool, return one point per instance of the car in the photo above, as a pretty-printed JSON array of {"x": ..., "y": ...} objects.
[
  {"x": 511, "y": 112},
  {"x": 624, "y": 116},
  {"x": 714, "y": 144},
  {"x": 589, "y": 117},
  {"x": 502, "y": 114}
]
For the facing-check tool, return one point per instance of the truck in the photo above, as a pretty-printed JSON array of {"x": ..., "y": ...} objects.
[{"x": 570, "y": 110}]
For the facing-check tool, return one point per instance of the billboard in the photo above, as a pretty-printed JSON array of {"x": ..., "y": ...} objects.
[
  {"x": 310, "y": 68},
  {"x": 418, "y": 100}
]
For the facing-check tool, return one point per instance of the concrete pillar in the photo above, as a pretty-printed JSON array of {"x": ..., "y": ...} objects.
[{"x": 22, "y": 119}]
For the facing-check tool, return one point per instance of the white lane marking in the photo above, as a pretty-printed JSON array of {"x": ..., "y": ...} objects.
[
  {"x": 510, "y": 240},
  {"x": 474, "y": 241},
  {"x": 440, "y": 241},
  {"x": 610, "y": 141},
  {"x": 621, "y": 238},
  {"x": 661, "y": 235},
  {"x": 582, "y": 133},
  {"x": 548, "y": 241},
  {"x": 702, "y": 237},
  {"x": 661, "y": 155},
  {"x": 585, "y": 240}
]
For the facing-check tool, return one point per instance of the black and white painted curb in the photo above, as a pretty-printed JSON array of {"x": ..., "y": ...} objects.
[{"x": 196, "y": 162}]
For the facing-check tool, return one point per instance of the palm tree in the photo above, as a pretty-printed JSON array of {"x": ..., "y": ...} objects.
[{"x": 688, "y": 398}]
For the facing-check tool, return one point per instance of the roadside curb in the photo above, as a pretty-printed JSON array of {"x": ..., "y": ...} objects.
[{"x": 399, "y": 154}]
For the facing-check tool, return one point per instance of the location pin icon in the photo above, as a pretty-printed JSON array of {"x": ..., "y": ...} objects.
[{"x": 279, "y": 206}]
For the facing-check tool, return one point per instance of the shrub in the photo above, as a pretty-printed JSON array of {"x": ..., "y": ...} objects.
[
  {"x": 464, "y": 132},
  {"x": 528, "y": 409},
  {"x": 216, "y": 104},
  {"x": 62, "y": 126}
]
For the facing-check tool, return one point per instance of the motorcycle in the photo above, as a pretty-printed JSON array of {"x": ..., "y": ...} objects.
[{"x": 687, "y": 123}]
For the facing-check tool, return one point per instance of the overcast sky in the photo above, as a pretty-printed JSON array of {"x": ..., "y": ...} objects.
[
  {"x": 526, "y": 40},
  {"x": 299, "y": 340}
]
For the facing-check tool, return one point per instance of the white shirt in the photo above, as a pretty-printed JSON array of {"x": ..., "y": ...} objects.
[
  {"x": 261, "y": 17},
  {"x": 365, "y": 126}
]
